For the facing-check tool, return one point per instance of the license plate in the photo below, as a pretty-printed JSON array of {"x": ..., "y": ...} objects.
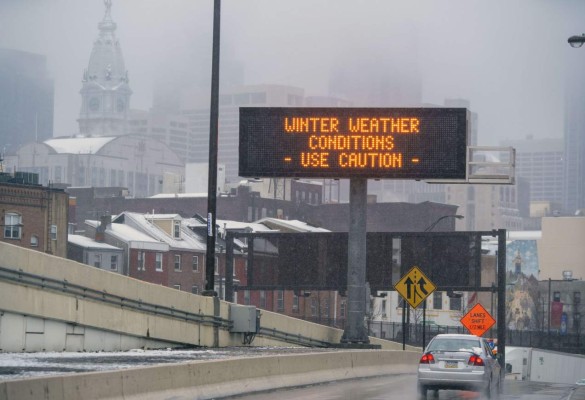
[{"x": 450, "y": 364}]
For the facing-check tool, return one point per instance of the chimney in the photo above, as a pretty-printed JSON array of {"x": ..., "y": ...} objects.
[{"x": 100, "y": 233}]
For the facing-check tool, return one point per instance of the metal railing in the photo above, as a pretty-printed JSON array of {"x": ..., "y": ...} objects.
[{"x": 63, "y": 286}]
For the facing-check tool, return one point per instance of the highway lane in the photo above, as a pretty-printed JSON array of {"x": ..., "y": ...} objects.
[{"x": 403, "y": 387}]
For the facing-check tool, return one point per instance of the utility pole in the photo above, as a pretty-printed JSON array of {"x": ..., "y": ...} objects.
[{"x": 213, "y": 146}]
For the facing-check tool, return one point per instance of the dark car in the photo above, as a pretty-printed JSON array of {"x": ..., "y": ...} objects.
[{"x": 458, "y": 362}]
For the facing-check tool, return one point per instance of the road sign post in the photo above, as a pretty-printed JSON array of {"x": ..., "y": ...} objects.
[
  {"x": 414, "y": 287},
  {"x": 355, "y": 330}
]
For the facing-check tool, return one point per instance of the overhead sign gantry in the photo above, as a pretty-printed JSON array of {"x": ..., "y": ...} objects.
[{"x": 355, "y": 143}]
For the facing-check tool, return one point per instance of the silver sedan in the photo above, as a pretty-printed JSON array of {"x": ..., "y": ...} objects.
[{"x": 458, "y": 362}]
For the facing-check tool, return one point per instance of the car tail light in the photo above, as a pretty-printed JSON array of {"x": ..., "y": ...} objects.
[
  {"x": 475, "y": 360},
  {"x": 427, "y": 359}
]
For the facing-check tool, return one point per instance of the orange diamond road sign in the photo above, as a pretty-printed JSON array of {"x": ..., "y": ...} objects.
[
  {"x": 415, "y": 287},
  {"x": 477, "y": 320}
]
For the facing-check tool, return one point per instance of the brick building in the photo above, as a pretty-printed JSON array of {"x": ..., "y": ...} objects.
[
  {"x": 158, "y": 248},
  {"x": 243, "y": 204},
  {"x": 33, "y": 216}
]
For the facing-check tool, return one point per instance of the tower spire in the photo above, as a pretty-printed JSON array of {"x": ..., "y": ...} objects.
[
  {"x": 105, "y": 92},
  {"x": 108, "y": 4}
]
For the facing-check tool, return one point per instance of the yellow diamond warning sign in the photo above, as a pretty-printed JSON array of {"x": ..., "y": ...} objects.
[
  {"x": 415, "y": 287},
  {"x": 477, "y": 320}
]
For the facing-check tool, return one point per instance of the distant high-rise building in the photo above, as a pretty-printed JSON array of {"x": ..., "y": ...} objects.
[
  {"x": 575, "y": 138},
  {"x": 169, "y": 128},
  {"x": 229, "y": 103},
  {"x": 26, "y": 99},
  {"x": 541, "y": 162},
  {"x": 105, "y": 93}
]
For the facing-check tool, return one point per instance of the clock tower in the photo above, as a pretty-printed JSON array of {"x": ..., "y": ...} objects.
[{"x": 105, "y": 93}]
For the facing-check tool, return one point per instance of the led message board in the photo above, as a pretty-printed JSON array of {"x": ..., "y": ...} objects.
[{"x": 393, "y": 143}]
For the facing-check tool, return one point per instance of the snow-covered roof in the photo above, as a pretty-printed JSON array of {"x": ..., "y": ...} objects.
[
  {"x": 78, "y": 145},
  {"x": 90, "y": 243},
  {"x": 241, "y": 226},
  {"x": 290, "y": 225},
  {"x": 157, "y": 217},
  {"x": 188, "y": 239},
  {"x": 177, "y": 195},
  {"x": 524, "y": 235},
  {"x": 133, "y": 237},
  {"x": 491, "y": 244}
]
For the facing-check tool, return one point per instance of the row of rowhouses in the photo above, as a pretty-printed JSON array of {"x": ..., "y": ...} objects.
[{"x": 169, "y": 250}]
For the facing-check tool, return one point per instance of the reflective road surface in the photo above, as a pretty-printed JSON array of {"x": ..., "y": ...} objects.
[{"x": 403, "y": 387}]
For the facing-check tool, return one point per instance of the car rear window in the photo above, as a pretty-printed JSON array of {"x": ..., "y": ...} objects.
[{"x": 444, "y": 344}]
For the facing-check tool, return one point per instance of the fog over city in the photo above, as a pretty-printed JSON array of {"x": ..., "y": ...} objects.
[{"x": 511, "y": 60}]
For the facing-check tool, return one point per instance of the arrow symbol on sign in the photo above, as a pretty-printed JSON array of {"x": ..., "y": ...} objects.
[
  {"x": 421, "y": 284},
  {"x": 408, "y": 282}
]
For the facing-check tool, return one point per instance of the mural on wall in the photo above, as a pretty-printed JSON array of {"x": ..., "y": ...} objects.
[{"x": 522, "y": 285}]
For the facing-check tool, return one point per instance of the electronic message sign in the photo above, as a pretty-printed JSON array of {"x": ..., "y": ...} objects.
[{"x": 392, "y": 143}]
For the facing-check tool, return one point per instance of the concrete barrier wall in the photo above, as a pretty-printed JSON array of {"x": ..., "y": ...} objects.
[
  {"x": 84, "y": 313},
  {"x": 209, "y": 379}
]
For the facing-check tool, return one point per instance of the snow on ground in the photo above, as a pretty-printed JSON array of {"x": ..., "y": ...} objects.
[{"x": 27, "y": 365}]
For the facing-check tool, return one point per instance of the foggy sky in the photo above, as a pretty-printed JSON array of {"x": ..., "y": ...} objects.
[{"x": 510, "y": 59}]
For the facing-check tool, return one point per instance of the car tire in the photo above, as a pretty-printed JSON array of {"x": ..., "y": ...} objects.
[{"x": 422, "y": 392}]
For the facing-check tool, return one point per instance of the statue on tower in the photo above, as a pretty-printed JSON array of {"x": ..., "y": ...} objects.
[{"x": 108, "y": 4}]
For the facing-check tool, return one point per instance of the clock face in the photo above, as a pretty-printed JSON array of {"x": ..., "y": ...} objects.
[
  {"x": 120, "y": 105},
  {"x": 94, "y": 104}
]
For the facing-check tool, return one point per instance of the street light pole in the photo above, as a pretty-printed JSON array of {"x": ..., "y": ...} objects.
[
  {"x": 432, "y": 226},
  {"x": 213, "y": 146},
  {"x": 576, "y": 41},
  {"x": 424, "y": 319}
]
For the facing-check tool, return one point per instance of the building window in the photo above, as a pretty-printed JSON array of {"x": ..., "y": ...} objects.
[
  {"x": 384, "y": 308},
  {"x": 177, "y": 229},
  {"x": 195, "y": 264},
  {"x": 114, "y": 263},
  {"x": 53, "y": 232},
  {"x": 12, "y": 226},
  {"x": 437, "y": 300},
  {"x": 263, "y": 299},
  {"x": 158, "y": 262},
  {"x": 280, "y": 300},
  {"x": 342, "y": 308},
  {"x": 314, "y": 307},
  {"x": 247, "y": 297},
  {"x": 557, "y": 296},
  {"x": 577, "y": 322},
  {"x": 295, "y": 304},
  {"x": 178, "y": 287},
  {"x": 195, "y": 289},
  {"x": 455, "y": 303},
  {"x": 97, "y": 260},
  {"x": 140, "y": 263},
  {"x": 576, "y": 298},
  {"x": 34, "y": 241},
  {"x": 177, "y": 262}
]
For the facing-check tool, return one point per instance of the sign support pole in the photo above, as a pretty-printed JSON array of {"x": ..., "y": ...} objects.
[
  {"x": 213, "y": 145},
  {"x": 501, "y": 317},
  {"x": 424, "y": 321},
  {"x": 355, "y": 330}
]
